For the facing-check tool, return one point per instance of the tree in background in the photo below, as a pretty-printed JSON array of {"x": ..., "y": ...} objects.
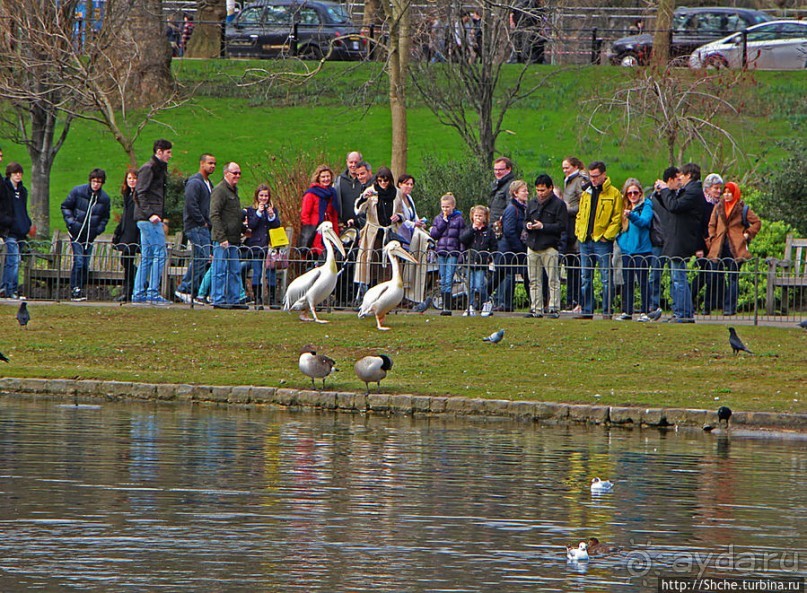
[
  {"x": 783, "y": 194},
  {"x": 661, "y": 37},
  {"x": 205, "y": 41}
]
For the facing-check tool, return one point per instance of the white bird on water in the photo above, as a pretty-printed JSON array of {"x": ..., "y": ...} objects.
[
  {"x": 313, "y": 287},
  {"x": 383, "y": 298},
  {"x": 578, "y": 554},
  {"x": 314, "y": 365},
  {"x": 599, "y": 486}
]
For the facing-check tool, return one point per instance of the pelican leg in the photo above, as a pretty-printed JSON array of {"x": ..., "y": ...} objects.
[
  {"x": 317, "y": 319},
  {"x": 379, "y": 323}
]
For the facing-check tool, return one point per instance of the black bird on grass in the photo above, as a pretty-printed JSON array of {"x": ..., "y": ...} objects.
[
  {"x": 803, "y": 324},
  {"x": 3, "y": 357},
  {"x": 424, "y": 306},
  {"x": 23, "y": 316},
  {"x": 723, "y": 413},
  {"x": 736, "y": 343}
]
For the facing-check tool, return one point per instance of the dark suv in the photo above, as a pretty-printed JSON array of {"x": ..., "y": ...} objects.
[
  {"x": 266, "y": 29},
  {"x": 692, "y": 27}
]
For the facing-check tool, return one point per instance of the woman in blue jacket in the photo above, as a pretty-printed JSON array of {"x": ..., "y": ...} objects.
[{"x": 634, "y": 241}]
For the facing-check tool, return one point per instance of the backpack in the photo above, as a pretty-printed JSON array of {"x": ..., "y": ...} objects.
[
  {"x": 746, "y": 224},
  {"x": 656, "y": 231}
]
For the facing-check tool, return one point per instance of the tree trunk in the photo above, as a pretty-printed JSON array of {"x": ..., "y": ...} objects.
[
  {"x": 205, "y": 41},
  {"x": 398, "y": 71},
  {"x": 661, "y": 38}
]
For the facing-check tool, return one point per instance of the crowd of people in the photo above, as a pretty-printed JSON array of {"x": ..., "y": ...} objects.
[{"x": 557, "y": 233}]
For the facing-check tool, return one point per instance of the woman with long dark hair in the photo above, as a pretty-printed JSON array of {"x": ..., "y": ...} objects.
[{"x": 126, "y": 237}]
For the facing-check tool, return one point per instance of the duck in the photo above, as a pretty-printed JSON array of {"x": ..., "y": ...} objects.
[
  {"x": 310, "y": 289},
  {"x": 383, "y": 298},
  {"x": 595, "y": 548},
  {"x": 315, "y": 365},
  {"x": 578, "y": 554},
  {"x": 599, "y": 486},
  {"x": 373, "y": 368}
]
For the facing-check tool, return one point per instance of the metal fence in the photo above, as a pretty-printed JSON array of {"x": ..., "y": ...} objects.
[{"x": 755, "y": 291}]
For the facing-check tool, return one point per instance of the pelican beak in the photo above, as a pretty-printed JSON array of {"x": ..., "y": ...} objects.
[
  {"x": 335, "y": 240},
  {"x": 404, "y": 254}
]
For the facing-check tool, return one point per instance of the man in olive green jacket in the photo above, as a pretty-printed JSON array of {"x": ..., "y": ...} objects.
[
  {"x": 598, "y": 223},
  {"x": 226, "y": 224}
]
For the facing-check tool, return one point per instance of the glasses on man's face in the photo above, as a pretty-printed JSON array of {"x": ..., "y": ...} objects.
[
  {"x": 499, "y": 169},
  {"x": 236, "y": 173}
]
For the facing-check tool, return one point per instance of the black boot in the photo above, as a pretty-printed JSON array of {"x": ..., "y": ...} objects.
[
  {"x": 257, "y": 291},
  {"x": 271, "y": 299},
  {"x": 446, "y": 304}
]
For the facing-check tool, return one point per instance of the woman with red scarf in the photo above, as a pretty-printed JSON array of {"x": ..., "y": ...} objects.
[
  {"x": 319, "y": 204},
  {"x": 731, "y": 227}
]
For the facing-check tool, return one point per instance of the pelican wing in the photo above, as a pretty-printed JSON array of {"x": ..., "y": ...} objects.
[
  {"x": 373, "y": 298},
  {"x": 297, "y": 290}
]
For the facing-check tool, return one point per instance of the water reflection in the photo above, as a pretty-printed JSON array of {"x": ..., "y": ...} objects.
[{"x": 163, "y": 498}]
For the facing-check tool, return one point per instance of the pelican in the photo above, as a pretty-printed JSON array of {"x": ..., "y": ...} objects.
[
  {"x": 383, "y": 298},
  {"x": 373, "y": 368},
  {"x": 578, "y": 554},
  {"x": 315, "y": 366},
  {"x": 316, "y": 285}
]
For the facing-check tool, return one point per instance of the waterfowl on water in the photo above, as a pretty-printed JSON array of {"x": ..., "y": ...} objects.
[
  {"x": 383, "y": 298},
  {"x": 314, "y": 365},
  {"x": 316, "y": 285},
  {"x": 579, "y": 554},
  {"x": 598, "y": 485},
  {"x": 371, "y": 369},
  {"x": 595, "y": 548}
]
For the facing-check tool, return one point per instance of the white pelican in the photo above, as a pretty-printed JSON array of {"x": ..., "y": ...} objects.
[
  {"x": 313, "y": 287},
  {"x": 578, "y": 554},
  {"x": 373, "y": 368},
  {"x": 599, "y": 486},
  {"x": 383, "y": 298},
  {"x": 316, "y": 366}
]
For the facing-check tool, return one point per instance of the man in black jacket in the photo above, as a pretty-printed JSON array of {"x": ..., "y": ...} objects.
[
  {"x": 86, "y": 213},
  {"x": 682, "y": 235},
  {"x": 149, "y": 211},
  {"x": 545, "y": 222}
]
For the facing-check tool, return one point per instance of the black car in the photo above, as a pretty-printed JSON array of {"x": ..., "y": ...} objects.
[
  {"x": 691, "y": 28},
  {"x": 266, "y": 30}
]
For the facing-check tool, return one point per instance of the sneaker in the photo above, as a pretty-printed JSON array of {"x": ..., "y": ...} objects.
[
  {"x": 199, "y": 301},
  {"x": 182, "y": 297},
  {"x": 469, "y": 312},
  {"x": 445, "y": 313},
  {"x": 159, "y": 302},
  {"x": 577, "y": 309},
  {"x": 487, "y": 309},
  {"x": 624, "y": 317},
  {"x": 77, "y": 295},
  {"x": 643, "y": 318},
  {"x": 532, "y": 315},
  {"x": 2, "y": 293}
]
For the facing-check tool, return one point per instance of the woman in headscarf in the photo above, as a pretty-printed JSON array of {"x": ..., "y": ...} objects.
[
  {"x": 378, "y": 203},
  {"x": 732, "y": 225},
  {"x": 319, "y": 204}
]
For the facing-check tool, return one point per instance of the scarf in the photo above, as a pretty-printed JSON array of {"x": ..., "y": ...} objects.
[
  {"x": 326, "y": 195},
  {"x": 385, "y": 199},
  {"x": 728, "y": 205}
]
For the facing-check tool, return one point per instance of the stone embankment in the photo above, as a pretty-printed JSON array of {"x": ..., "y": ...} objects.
[{"x": 416, "y": 405}]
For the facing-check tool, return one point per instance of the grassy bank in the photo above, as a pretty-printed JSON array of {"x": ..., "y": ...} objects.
[
  {"x": 346, "y": 108},
  {"x": 601, "y": 362}
]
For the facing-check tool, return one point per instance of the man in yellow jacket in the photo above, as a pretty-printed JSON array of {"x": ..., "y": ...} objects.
[{"x": 598, "y": 223}]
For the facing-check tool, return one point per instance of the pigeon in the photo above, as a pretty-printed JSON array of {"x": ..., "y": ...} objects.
[
  {"x": 599, "y": 486},
  {"x": 803, "y": 324},
  {"x": 655, "y": 315},
  {"x": 723, "y": 413},
  {"x": 23, "y": 316},
  {"x": 736, "y": 342},
  {"x": 316, "y": 366},
  {"x": 578, "y": 554},
  {"x": 424, "y": 306},
  {"x": 495, "y": 337},
  {"x": 373, "y": 368},
  {"x": 3, "y": 357}
]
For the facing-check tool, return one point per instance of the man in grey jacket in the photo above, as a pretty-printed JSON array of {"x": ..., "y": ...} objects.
[{"x": 196, "y": 219}]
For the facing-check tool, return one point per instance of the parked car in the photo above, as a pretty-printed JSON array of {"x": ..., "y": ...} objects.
[
  {"x": 691, "y": 28},
  {"x": 265, "y": 30},
  {"x": 777, "y": 45}
]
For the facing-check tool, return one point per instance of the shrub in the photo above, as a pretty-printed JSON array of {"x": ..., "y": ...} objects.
[
  {"x": 783, "y": 194},
  {"x": 467, "y": 179}
]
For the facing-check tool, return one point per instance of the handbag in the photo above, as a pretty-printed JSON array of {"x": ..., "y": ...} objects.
[
  {"x": 278, "y": 237},
  {"x": 277, "y": 259}
]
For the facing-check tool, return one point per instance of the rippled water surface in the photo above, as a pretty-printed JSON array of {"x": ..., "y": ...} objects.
[{"x": 141, "y": 498}]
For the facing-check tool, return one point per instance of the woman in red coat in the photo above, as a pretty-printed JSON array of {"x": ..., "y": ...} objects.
[
  {"x": 320, "y": 203},
  {"x": 732, "y": 226}
]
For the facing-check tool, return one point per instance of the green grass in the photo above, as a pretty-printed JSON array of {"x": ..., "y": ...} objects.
[
  {"x": 345, "y": 108},
  {"x": 598, "y": 362}
]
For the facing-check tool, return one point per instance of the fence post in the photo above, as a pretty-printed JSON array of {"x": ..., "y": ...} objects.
[
  {"x": 293, "y": 40},
  {"x": 594, "y": 53},
  {"x": 744, "y": 35},
  {"x": 756, "y": 291}
]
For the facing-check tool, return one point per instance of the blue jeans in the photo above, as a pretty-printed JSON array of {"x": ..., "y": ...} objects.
[
  {"x": 681, "y": 295},
  {"x": 656, "y": 267},
  {"x": 634, "y": 268},
  {"x": 478, "y": 284},
  {"x": 225, "y": 285},
  {"x": 447, "y": 265},
  {"x": 11, "y": 271},
  {"x": 81, "y": 264},
  {"x": 152, "y": 261},
  {"x": 200, "y": 238},
  {"x": 595, "y": 253}
]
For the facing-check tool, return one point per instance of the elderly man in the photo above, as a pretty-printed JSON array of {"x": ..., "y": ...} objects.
[
  {"x": 348, "y": 188},
  {"x": 227, "y": 221}
]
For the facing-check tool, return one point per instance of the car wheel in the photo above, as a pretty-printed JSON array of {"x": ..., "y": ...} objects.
[
  {"x": 629, "y": 60},
  {"x": 310, "y": 52},
  {"x": 717, "y": 62}
]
